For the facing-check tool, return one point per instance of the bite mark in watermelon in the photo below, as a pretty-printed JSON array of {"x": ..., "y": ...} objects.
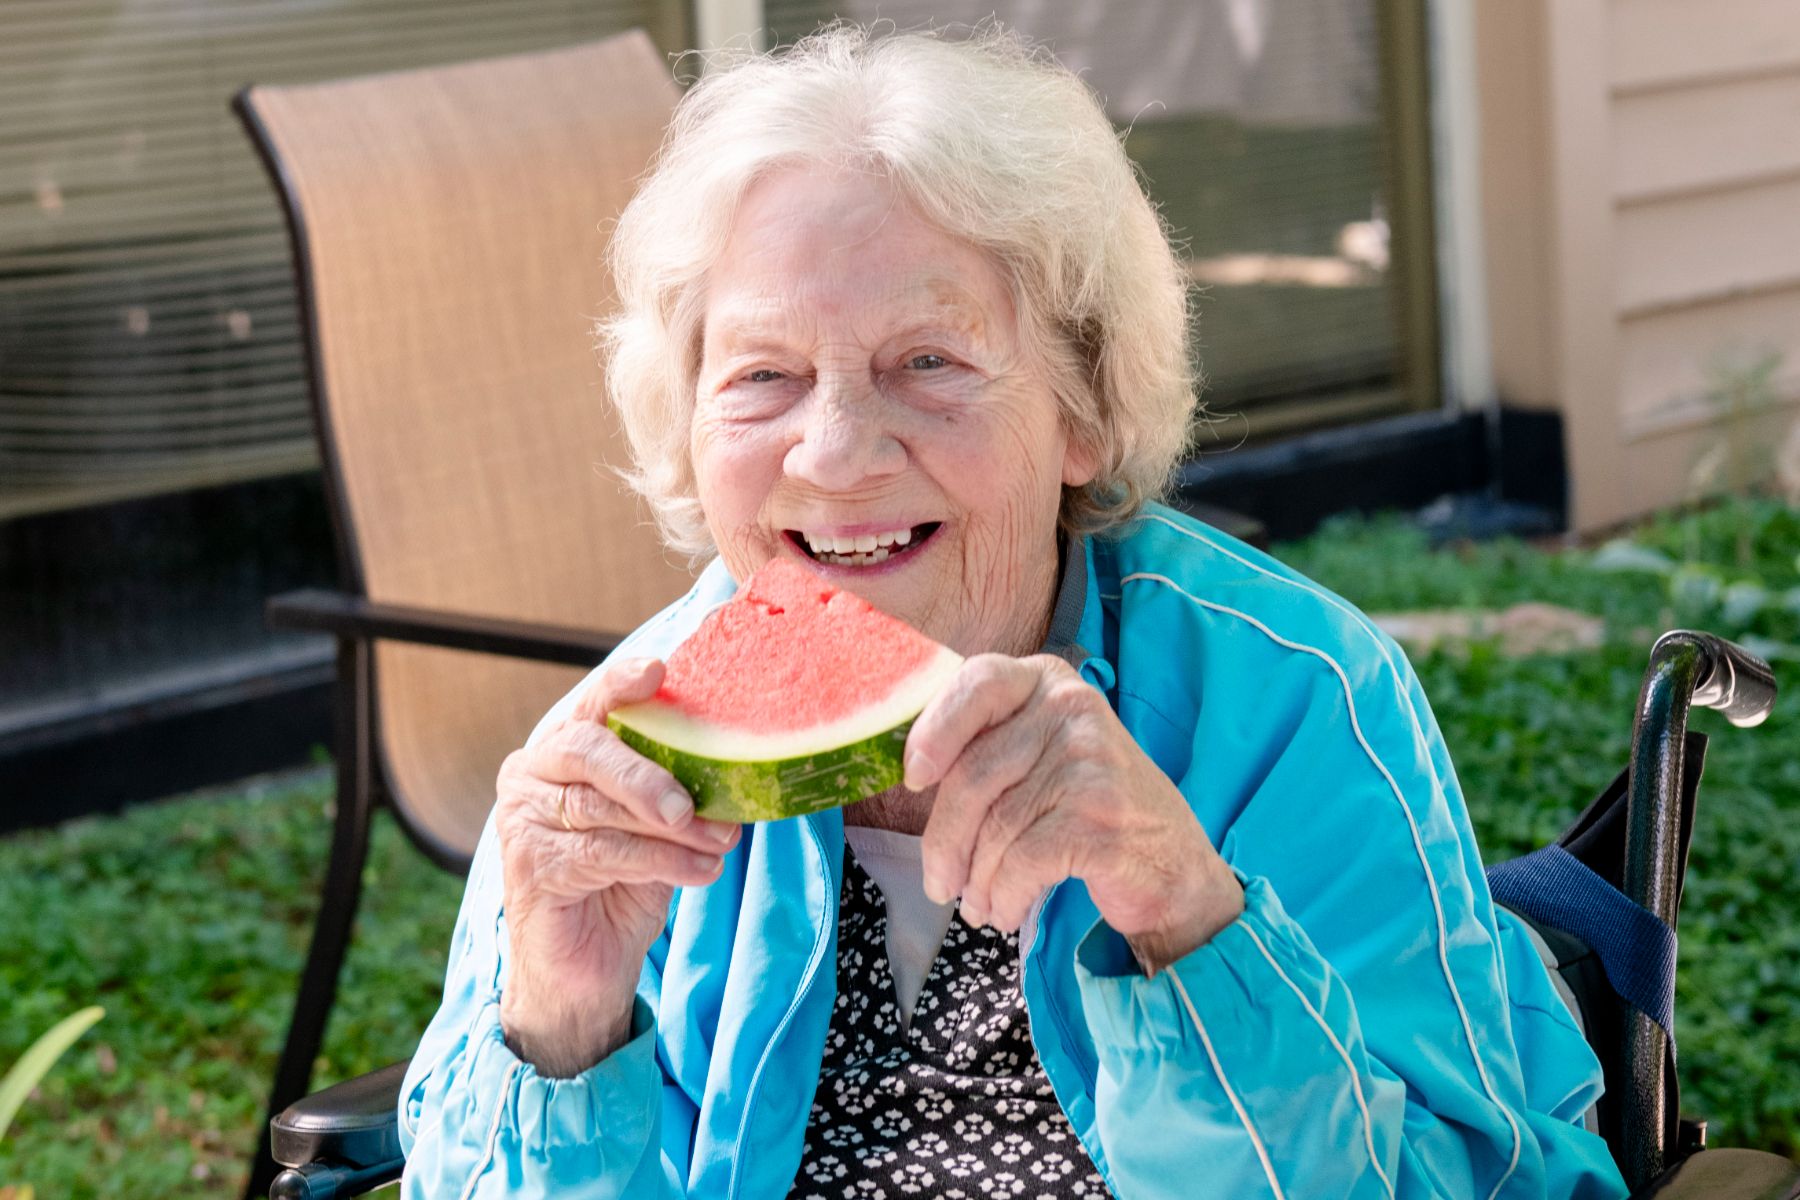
[{"x": 790, "y": 698}]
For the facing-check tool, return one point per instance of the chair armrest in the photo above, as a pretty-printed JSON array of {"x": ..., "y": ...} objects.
[
  {"x": 317, "y": 610},
  {"x": 1727, "y": 1175},
  {"x": 345, "y": 1137}
]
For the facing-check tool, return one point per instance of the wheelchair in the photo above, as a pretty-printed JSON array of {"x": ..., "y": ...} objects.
[{"x": 1601, "y": 902}]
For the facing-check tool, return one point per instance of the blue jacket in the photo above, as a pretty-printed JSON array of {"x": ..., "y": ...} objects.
[{"x": 1370, "y": 1027}]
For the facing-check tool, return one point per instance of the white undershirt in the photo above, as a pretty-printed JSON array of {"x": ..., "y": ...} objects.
[{"x": 915, "y": 925}]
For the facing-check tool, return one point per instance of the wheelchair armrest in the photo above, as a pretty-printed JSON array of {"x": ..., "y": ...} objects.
[
  {"x": 347, "y": 1133},
  {"x": 1727, "y": 1175}
]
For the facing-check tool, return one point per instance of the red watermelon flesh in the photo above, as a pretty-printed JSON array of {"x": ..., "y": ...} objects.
[
  {"x": 790, "y": 651},
  {"x": 791, "y": 697}
]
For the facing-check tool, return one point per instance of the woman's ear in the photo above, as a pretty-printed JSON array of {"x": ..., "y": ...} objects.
[{"x": 1080, "y": 463}]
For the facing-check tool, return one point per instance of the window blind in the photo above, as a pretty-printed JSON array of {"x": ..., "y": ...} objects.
[
  {"x": 1265, "y": 131},
  {"x": 149, "y": 337}
]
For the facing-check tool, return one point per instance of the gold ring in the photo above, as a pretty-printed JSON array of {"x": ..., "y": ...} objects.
[{"x": 562, "y": 807}]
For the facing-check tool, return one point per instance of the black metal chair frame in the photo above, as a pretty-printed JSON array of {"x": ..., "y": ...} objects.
[
  {"x": 345, "y": 1140},
  {"x": 358, "y": 623}
]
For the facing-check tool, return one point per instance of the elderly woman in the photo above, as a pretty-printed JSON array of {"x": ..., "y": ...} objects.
[{"x": 1179, "y": 896}]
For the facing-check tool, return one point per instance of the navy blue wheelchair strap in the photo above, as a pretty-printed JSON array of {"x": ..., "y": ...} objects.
[{"x": 1637, "y": 951}]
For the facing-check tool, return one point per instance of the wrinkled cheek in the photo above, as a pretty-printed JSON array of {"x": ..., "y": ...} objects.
[
  {"x": 1006, "y": 555},
  {"x": 997, "y": 545},
  {"x": 735, "y": 472}
]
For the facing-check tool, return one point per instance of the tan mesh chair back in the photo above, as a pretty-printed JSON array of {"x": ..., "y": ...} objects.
[{"x": 449, "y": 226}]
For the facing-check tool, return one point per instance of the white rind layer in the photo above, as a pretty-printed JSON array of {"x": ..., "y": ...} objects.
[{"x": 678, "y": 731}]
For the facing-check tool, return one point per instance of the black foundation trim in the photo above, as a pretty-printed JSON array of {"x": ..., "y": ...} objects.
[
  {"x": 1402, "y": 463},
  {"x": 106, "y": 756}
]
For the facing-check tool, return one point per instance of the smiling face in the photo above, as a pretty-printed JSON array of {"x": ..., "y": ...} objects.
[{"x": 865, "y": 406}]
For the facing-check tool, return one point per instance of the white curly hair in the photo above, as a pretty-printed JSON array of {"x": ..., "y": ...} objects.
[{"x": 993, "y": 141}]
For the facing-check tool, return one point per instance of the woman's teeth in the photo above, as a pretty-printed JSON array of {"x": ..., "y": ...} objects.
[
  {"x": 862, "y": 550},
  {"x": 855, "y": 560}
]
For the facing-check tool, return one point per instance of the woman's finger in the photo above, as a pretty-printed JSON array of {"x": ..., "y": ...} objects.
[
  {"x": 588, "y": 752},
  {"x": 994, "y": 761},
  {"x": 624, "y": 682},
  {"x": 987, "y": 690},
  {"x": 617, "y": 856},
  {"x": 1021, "y": 811},
  {"x": 573, "y": 865},
  {"x": 581, "y": 807},
  {"x": 1029, "y": 865},
  {"x": 1016, "y": 892}
]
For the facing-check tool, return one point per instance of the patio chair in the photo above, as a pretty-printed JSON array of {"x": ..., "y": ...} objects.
[
  {"x": 448, "y": 227},
  {"x": 1601, "y": 901}
]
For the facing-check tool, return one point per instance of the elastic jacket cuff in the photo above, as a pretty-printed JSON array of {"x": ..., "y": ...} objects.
[
  {"x": 1231, "y": 980},
  {"x": 610, "y": 1109}
]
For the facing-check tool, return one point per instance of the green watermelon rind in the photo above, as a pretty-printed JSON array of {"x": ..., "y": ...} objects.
[{"x": 770, "y": 790}]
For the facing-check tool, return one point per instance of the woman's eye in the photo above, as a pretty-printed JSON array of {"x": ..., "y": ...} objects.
[
  {"x": 926, "y": 362},
  {"x": 763, "y": 375}
]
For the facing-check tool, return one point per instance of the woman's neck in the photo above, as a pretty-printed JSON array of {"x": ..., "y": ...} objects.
[
  {"x": 902, "y": 811},
  {"x": 896, "y": 809}
]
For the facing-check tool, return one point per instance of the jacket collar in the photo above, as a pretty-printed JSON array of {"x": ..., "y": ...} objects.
[{"x": 1071, "y": 602}]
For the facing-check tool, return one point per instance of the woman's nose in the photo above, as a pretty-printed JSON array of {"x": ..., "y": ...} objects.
[{"x": 845, "y": 439}]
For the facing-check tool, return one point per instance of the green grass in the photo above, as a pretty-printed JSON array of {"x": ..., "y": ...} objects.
[
  {"x": 1534, "y": 738},
  {"x": 188, "y": 919}
]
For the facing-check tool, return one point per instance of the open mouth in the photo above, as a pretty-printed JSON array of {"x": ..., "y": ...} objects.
[{"x": 865, "y": 550}]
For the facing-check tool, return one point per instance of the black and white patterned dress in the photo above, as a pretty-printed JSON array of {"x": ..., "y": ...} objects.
[{"x": 956, "y": 1105}]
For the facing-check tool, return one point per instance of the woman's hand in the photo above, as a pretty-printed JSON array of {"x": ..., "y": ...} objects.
[
  {"x": 1039, "y": 782},
  {"x": 593, "y": 839}
]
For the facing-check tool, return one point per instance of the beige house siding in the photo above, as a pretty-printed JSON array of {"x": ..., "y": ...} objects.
[{"x": 1641, "y": 209}]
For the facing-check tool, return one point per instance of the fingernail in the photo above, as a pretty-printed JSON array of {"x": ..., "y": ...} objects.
[
  {"x": 918, "y": 770},
  {"x": 720, "y": 832},
  {"x": 972, "y": 914},
  {"x": 935, "y": 890},
  {"x": 674, "y": 807}
]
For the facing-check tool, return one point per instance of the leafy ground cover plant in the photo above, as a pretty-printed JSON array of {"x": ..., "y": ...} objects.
[
  {"x": 188, "y": 919},
  {"x": 33, "y": 1065},
  {"x": 1535, "y": 737}
]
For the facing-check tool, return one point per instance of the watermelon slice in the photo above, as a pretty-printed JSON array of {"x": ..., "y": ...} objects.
[{"x": 790, "y": 698}]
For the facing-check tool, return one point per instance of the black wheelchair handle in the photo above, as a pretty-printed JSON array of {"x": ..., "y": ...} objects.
[
  {"x": 330, "y": 1181},
  {"x": 1687, "y": 667},
  {"x": 1734, "y": 681}
]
